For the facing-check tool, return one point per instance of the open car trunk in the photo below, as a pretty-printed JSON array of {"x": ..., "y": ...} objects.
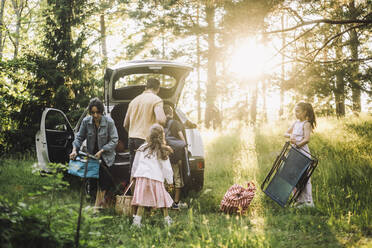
[
  {"x": 122, "y": 164},
  {"x": 118, "y": 113}
]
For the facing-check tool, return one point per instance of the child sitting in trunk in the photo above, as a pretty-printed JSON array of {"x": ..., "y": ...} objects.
[
  {"x": 175, "y": 128},
  {"x": 150, "y": 167}
]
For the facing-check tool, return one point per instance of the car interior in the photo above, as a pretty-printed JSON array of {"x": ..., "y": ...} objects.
[
  {"x": 118, "y": 113},
  {"x": 59, "y": 137}
]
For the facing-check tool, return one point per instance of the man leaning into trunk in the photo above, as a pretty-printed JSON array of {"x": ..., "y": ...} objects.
[{"x": 143, "y": 111}]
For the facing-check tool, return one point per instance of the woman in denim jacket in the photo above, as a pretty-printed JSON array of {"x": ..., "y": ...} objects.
[{"x": 102, "y": 137}]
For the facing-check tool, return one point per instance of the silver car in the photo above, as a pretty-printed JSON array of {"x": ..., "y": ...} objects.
[{"x": 122, "y": 84}]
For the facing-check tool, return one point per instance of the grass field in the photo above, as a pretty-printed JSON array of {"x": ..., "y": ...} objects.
[{"x": 341, "y": 191}]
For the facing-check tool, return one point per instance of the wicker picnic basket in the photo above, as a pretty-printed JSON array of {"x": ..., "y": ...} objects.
[{"x": 123, "y": 204}]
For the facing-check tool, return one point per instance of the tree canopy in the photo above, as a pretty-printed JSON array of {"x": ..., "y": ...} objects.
[{"x": 253, "y": 59}]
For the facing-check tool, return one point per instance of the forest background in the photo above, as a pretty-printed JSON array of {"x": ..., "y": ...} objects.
[{"x": 253, "y": 59}]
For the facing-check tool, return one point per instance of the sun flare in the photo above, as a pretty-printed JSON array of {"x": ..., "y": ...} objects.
[{"x": 248, "y": 60}]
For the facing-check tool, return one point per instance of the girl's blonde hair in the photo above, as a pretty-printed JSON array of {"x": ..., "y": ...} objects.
[{"x": 156, "y": 143}]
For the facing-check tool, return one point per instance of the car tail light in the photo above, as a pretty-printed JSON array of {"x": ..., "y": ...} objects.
[{"x": 200, "y": 165}]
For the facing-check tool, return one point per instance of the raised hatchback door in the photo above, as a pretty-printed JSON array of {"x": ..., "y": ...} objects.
[
  {"x": 54, "y": 139},
  {"x": 125, "y": 82}
]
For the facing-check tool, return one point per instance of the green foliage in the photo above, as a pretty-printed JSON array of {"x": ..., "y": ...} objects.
[
  {"x": 32, "y": 83},
  {"x": 246, "y": 16},
  {"x": 24, "y": 226},
  {"x": 346, "y": 175},
  {"x": 42, "y": 211},
  {"x": 65, "y": 43},
  {"x": 30, "y": 225},
  {"x": 59, "y": 76},
  {"x": 327, "y": 65},
  {"x": 19, "y": 104}
]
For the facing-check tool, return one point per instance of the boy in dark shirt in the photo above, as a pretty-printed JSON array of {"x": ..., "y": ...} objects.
[{"x": 175, "y": 130}]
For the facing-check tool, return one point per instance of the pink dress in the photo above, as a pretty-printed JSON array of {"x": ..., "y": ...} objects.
[
  {"x": 151, "y": 193},
  {"x": 150, "y": 174}
]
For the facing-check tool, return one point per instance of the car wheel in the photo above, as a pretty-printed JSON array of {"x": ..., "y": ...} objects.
[
  {"x": 194, "y": 183},
  {"x": 199, "y": 182}
]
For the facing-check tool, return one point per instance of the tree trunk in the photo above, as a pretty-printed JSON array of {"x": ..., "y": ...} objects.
[
  {"x": 18, "y": 9},
  {"x": 1, "y": 28},
  {"x": 264, "y": 114},
  {"x": 339, "y": 89},
  {"x": 211, "y": 80},
  {"x": 198, "y": 55},
  {"x": 281, "y": 108},
  {"x": 198, "y": 91},
  {"x": 69, "y": 18},
  {"x": 245, "y": 110},
  {"x": 340, "y": 94},
  {"x": 354, "y": 43},
  {"x": 254, "y": 106},
  {"x": 103, "y": 40},
  {"x": 17, "y": 34}
]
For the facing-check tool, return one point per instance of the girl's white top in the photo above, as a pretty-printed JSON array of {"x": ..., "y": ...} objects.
[
  {"x": 152, "y": 168},
  {"x": 298, "y": 134}
]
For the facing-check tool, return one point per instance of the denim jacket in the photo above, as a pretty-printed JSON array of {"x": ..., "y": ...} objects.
[{"x": 107, "y": 137}]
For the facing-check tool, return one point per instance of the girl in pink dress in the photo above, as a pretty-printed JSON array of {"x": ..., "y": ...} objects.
[
  {"x": 299, "y": 135},
  {"x": 150, "y": 168}
]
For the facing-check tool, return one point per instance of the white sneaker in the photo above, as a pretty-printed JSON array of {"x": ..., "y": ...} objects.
[
  {"x": 178, "y": 206},
  {"x": 168, "y": 220},
  {"x": 182, "y": 205},
  {"x": 137, "y": 221},
  {"x": 305, "y": 205}
]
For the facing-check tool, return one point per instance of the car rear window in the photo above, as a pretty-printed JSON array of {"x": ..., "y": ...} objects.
[{"x": 166, "y": 81}]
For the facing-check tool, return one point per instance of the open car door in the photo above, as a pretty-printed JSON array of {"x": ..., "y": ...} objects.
[{"x": 54, "y": 139}]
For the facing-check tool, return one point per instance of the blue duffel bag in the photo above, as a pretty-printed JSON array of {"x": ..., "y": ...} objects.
[{"x": 76, "y": 167}]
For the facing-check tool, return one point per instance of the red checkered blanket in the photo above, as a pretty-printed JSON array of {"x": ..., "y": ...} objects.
[{"x": 238, "y": 198}]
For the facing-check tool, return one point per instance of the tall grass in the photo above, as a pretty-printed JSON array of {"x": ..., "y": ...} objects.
[
  {"x": 342, "y": 181},
  {"x": 341, "y": 191}
]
